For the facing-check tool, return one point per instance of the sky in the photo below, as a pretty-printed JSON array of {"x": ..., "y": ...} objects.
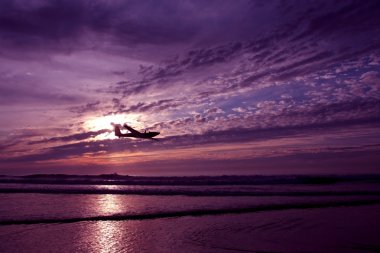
[{"x": 234, "y": 87}]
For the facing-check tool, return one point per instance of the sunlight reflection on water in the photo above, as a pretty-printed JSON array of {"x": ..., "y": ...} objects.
[
  {"x": 110, "y": 204},
  {"x": 108, "y": 233}
]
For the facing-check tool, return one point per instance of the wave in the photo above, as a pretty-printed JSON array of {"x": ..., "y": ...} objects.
[
  {"x": 193, "y": 212},
  {"x": 190, "y": 192}
]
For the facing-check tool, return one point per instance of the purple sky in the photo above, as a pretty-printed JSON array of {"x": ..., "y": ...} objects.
[{"x": 235, "y": 87}]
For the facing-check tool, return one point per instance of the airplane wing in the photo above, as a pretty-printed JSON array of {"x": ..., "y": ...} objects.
[{"x": 130, "y": 129}]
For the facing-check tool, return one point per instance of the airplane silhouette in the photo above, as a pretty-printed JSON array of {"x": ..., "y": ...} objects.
[{"x": 134, "y": 133}]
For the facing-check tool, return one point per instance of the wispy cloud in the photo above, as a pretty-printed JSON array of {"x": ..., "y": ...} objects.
[{"x": 202, "y": 73}]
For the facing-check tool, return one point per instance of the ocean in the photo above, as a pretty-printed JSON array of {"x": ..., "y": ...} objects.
[{"x": 113, "y": 213}]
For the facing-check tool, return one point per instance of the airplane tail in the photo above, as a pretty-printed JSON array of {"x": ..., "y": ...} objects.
[{"x": 117, "y": 130}]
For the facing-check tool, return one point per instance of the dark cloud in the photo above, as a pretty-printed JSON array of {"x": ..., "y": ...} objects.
[
  {"x": 194, "y": 59},
  {"x": 353, "y": 16},
  {"x": 117, "y": 104},
  {"x": 142, "y": 107},
  {"x": 74, "y": 137},
  {"x": 358, "y": 108},
  {"x": 230, "y": 136},
  {"x": 370, "y": 77},
  {"x": 65, "y": 24},
  {"x": 62, "y": 24},
  {"x": 89, "y": 107},
  {"x": 277, "y": 114},
  {"x": 308, "y": 40},
  {"x": 5, "y": 147},
  {"x": 24, "y": 95},
  {"x": 42, "y": 25},
  {"x": 223, "y": 72}
]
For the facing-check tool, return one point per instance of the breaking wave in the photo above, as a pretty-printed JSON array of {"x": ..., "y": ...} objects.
[{"x": 193, "y": 212}]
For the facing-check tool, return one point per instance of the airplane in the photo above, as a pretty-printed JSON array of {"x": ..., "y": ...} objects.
[{"x": 134, "y": 133}]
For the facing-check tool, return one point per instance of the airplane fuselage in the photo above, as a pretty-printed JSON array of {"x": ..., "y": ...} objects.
[
  {"x": 139, "y": 135},
  {"x": 134, "y": 133}
]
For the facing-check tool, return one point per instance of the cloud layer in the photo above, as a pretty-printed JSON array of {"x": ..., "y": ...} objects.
[{"x": 215, "y": 74}]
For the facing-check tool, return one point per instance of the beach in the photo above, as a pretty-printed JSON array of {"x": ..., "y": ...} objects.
[{"x": 274, "y": 216}]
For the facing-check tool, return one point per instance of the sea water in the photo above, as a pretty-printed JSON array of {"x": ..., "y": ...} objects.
[{"x": 207, "y": 214}]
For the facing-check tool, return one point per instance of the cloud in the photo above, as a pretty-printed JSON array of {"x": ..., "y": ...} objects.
[
  {"x": 239, "y": 109},
  {"x": 213, "y": 111},
  {"x": 155, "y": 106},
  {"x": 200, "y": 72},
  {"x": 15, "y": 95},
  {"x": 89, "y": 107},
  {"x": 302, "y": 44},
  {"x": 275, "y": 142},
  {"x": 370, "y": 77},
  {"x": 74, "y": 137},
  {"x": 44, "y": 25}
]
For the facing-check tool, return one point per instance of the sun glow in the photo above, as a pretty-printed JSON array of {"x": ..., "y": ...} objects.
[{"x": 105, "y": 122}]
